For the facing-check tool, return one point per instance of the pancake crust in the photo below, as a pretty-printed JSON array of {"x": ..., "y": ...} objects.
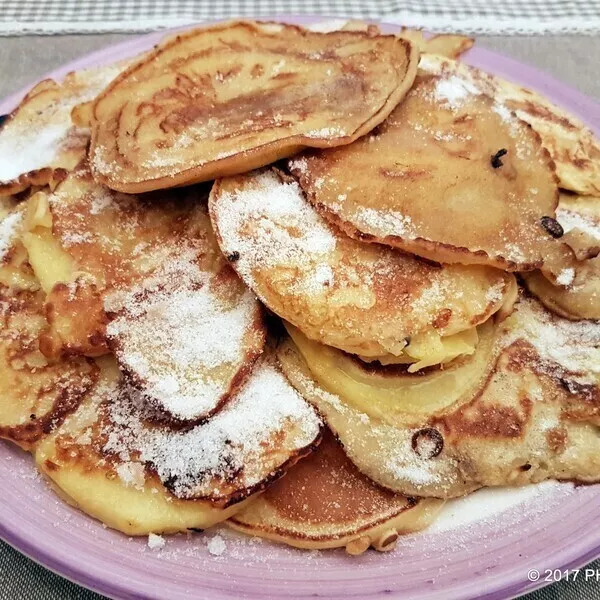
[
  {"x": 39, "y": 142},
  {"x": 325, "y": 502},
  {"x": 572, "y": 145},
  {"x": 416, "y": 182},
  {"x": 36, "y": 395},
  {"x": 232, "y": 97},
  {"x": 535, "y": 418},
  {"x": 362, "y": 298}
]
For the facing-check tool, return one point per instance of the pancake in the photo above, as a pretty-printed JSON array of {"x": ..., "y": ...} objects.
[
  {"x": 38, "y": 142},
  {"x": 534, "y": 417},
  {"x": 15, "y": 272},
  {"x": 108, "y": 460},
  {"x": 36, "y": 395},
  {"x": 145, "y": 278},
  {"x": 572, "y": 145},
  {"x": 325, "y": 502},
  {"x": 579, "y": 217},
  {"x": 187, "y": 340},
  {"x": 117, "y": 239},
  {"x": 235, "y": 96},
  {"x": 363, "y": 298},
  {"x": 579, "y": 298},
  {"x": 442, "y": 44},
  {"x": 575, "y": 293},
  {"x": 123, "y": 494},
  {"x": 415, "y": 183}
]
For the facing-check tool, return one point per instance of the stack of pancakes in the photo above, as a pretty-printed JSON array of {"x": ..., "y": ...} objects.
[{"x": 308, "y": 283}]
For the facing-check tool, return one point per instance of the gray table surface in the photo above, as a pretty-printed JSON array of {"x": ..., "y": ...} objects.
[{"x": 23, "y": 60}]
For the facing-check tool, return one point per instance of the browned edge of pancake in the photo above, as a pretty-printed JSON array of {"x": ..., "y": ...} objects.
[
  {"x": 411, "y": 502},
  {"x": 27, "y": 434}
]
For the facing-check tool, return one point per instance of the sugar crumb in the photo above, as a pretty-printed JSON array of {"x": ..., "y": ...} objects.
[{"x": 156, "y": 542}]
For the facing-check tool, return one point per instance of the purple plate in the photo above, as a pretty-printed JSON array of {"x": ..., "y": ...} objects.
[{"x": 488, "y": 545}]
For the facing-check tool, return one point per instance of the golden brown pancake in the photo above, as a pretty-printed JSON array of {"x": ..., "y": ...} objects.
[
  {"x": 235, "y": 96},
  {"x": 326, "y": 502},
  {"x": 578, "y": 298},
  {"x": 362, "y": 298},
  {"x": 574, "y": 292},
  {"x": 145, "y": 277},
  {"x": 39, "y": 142},
  {"x": 187, "y": 340},
  {"x": 572, "y": 145},
  {"x": 579, "y": 217},
  {"x": 139, "y": 477},
  {"x": 535, "y": 416},
  {"x": 36, "y": 395},
  {"x": 443, "y": 44},
  {"x": 117, "y": 239},
  {"x": 122, "y": 492},
  {"x": 450, "y": 176}
]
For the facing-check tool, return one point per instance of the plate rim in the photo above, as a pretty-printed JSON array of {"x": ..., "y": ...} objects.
[{"x": 579, "y": 104}]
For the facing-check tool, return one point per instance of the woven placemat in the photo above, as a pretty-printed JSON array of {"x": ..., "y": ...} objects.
[{"x": 18, "y": 17}]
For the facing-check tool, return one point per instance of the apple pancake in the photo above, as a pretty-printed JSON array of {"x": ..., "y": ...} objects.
[
  {"x": 577, "y": 298},
  {"x": 39, "y": 142},
  {"x": 416, "y": 182},
  {"x": 234, "y": 96},
  {"x": 36, "y": 395},
  {"x": 122, "y": 493},
  {"x": 575, "y": 292},
  {"x": 534, "y": 416},
  {"x": 187, "y": 340},
  {"x": 572, "y": 145},
  {"x": 363, "y": 298},
  {"x": 579, "y": 217},
  {"x": 145, "y": 277},
  {"x": 326, "y": 502},
  {"x": 140, "y": 478}
]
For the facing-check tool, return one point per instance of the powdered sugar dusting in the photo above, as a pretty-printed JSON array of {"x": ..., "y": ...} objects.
[
  {"x": 566, "y": 276},
  {"x": 252, "y": 436},
  {"x": 216, "y": 545},
  {"x": 454, "y": 91},
  {"x": 33, "y": 139},
  {"x": 391, "y": 221},
  {"x": 564, "y": 345},
  {"x": 288, "y": 228},
  {"x": 180, "y": 339},
  {"x": 26, "y": 150},
  {"x": 156, "y": 542},
  {"x": 327, "y": 132},
  {"x": 571, "y": 220},
  {"x": 487, "y": 504},
  {"x": 9, "y": 227}
]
